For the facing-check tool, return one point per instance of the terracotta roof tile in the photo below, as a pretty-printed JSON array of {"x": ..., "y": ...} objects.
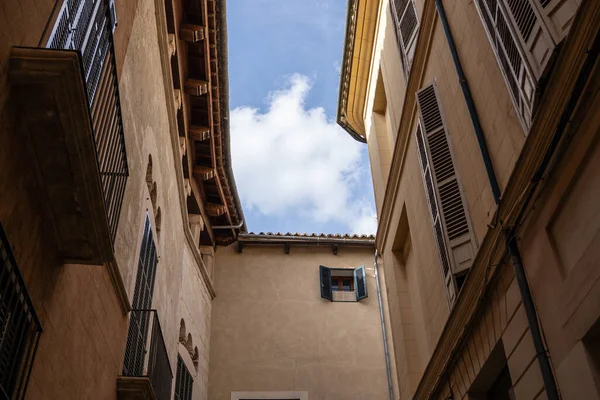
[{"x": 323, "y": 235}]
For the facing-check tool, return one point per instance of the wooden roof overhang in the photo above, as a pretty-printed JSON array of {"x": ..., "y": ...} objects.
[{"x": 196, "y": 38}]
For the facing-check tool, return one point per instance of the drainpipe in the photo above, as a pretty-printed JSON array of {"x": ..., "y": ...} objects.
[
  {"x": 509, "y": 237},
  {"x": 238, "y": 226},
  {"x": 385, "y": 346}
]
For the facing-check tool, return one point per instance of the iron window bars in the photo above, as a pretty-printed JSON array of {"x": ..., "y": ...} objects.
[
  {"x": 86, "y": 26},
  {"x": 20, "y": 327},
  {"x": 183, "y": 382},
  {"x": 146, "y": 353}
]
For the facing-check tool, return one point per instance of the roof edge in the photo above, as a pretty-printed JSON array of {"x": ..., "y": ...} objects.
[
  {"x": 224, "y": 88},
  {"x": 348, "y": 50}
]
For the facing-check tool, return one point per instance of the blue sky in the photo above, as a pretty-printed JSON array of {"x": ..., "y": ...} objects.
[{"x": 295, "y": 169}]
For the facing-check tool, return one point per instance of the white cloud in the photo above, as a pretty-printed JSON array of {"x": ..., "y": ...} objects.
[{"x": 291, "y": 160}]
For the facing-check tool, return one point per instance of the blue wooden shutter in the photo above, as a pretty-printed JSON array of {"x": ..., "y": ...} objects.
[
  {"x": 360, "y": 283},
  {"x": 325, "y": 274}
]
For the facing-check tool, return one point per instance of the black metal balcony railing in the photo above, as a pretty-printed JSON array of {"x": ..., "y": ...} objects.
[
  {"x": 19, "y": 327},
  {"x": 146, "y": 353},
  {"x": 86, "y": 26}
]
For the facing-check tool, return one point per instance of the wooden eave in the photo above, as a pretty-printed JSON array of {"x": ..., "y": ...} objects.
[{"x": 195, "y": 69}]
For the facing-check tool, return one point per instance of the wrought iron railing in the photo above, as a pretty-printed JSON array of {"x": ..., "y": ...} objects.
[
  {"x": 86, "y": 26},
  {"x": 146, "y": 353},
  {"x": 19, "y": 327}
]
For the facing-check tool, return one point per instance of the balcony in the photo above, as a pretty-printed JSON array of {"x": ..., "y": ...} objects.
[
  {"x": 147, "y": 371},
  {"x": 20, "y": 328},
  {"x": 67, "y": 100}
]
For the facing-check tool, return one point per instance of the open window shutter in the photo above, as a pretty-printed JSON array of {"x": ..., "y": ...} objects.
[
  {"x": 435, "y": 217},
  {"x": 524, "y": 43},
  {"x": 325, "y": 274},
  {"x": 558, "y": 15},
  {"x": 453, "y": 226},
  {"x": 360, "y": 283},
  {"x": 406, "y": 21},
  {"x": 532, "y": 33}
]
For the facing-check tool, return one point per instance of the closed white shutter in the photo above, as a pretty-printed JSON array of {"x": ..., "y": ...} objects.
[
  {"x": 435, "y": 218},
  {"x": 406, "y": 23},
  {"x": 450, "y": 215}
]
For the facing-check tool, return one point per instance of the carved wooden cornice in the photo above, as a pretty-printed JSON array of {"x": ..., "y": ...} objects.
[{"x": 165, "y": 58}]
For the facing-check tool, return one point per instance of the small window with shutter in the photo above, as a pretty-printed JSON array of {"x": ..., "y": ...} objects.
[
  {"x": 342, "y": 284},
  {"x": 406, "y": 21},
  {"x": 449, "y": 215}
]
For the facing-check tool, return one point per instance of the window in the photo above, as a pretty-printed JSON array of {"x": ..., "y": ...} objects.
[
  {"x": 142, "y": 300},
  {"x": 183, "y": 382},
  {"x": 449, "y": 216},
  {"x": 342, "y": 284},
  {"x": 523, "y": 35},
  {"x": 406, "y": 21},
  {"x": 19, "y": 326},
  {"x": 339, "y": 284},
  {"x": 502, "y": 388},
  {"x": 493, "y": 381}
]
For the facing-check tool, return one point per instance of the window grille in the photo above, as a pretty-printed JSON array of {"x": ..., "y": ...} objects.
[
  {"x": 85, "y": 26},
  {"x": 184, "y": 382},
  {"x": 20, "y": 328},
  {"x": 142, "y": 300}
]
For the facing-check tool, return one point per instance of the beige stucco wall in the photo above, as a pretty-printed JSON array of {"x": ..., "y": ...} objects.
[
  {"x": 81, "y": 350},
  {"x": 271, "y": 330},
  {"x": 417, "y": 299},
  {"x": 179, "y": 291},
  {"x": 559, "y": 246}
]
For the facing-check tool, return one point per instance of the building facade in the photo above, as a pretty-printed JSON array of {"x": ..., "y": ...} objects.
[
  {"x": 481, "y": 121},
  {"x": 280, "y": 331},
  {"x": 115, "y": 179},
  {"x": 120, "y": 225}
]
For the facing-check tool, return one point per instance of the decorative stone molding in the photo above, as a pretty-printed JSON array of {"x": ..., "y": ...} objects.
[
  {"x": 182, "y": 150},
  {"x": 177, "y": 98},
  {"x": 187, "y": 187},
  {"x": 172, "y": 43},
  {"x": 196, "y": 226}
]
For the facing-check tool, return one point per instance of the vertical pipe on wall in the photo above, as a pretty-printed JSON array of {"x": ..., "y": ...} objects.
[
  {"x": 383, "y": 333},
  {"x": 485, "y": 154},
  {"x": 511, "y": 243}
]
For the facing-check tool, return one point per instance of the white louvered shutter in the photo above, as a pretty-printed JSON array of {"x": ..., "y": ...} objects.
[
  {"x": 523, "y": 46},
  {"x": 406, "y": 21},
  {"x": 558, "y": 15},
  {"x": 436, "y": 218},
  {"x": 454, "y": 224}
]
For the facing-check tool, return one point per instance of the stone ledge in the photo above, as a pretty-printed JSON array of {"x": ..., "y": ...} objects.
[
  {"x": 134, "y": 388},
  {"x": 51, "y": 102}
]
